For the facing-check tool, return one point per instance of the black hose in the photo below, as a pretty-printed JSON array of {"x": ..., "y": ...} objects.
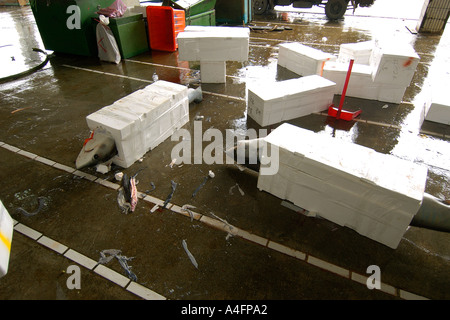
[{"x": 30, "y": 71}]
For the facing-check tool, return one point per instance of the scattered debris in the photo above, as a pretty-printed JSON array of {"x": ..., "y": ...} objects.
[
  {"x": 118, "y": 176},
  {"x": 200, "y": 186},
  {"x": 269, "y": 28},
  {"x": 195, "y": 95},
  {"x": 20, "y": 109},
  {"x": 155, "y": 207},
  {"x": 191, "y": 257},
  {"x": 187, "y": 208},
  {"x": 198, "y": 117},
  {"x": 104, "y": 167},
  {"x": 385, "y": 106},
  {"x": 42, "y": 203},
  {"x": 109, "y": 254},
  {"x": 211, "y": 174},
  {"x": 169, "y": 197},
  {"x": 153, "y": 188},
  {"x": 239, "y": 188},
  {"x": 223, "y": 220},
  {"x": 172, "y": 163}
]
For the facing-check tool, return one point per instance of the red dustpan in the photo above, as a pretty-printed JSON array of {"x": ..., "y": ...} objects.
[{"x": 338, "y": 113}]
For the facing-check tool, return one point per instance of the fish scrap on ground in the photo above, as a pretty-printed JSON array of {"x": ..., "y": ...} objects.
[
  {"x": 169, "y": 197},
  {"x": 191, "y": 257},
  {"x": 127, "y": 195},
  {"x": 109, "y": 254},
  {"x": 187, "y": 208},
  {"x": 42, "y": 204},
  {"x": 98, "y": 148}
]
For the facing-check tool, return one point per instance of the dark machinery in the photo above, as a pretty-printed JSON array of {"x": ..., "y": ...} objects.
[{"x": 334, "y": 9}]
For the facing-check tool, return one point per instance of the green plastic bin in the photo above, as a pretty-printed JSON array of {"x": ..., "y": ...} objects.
[{"x": 51, "y": 18}]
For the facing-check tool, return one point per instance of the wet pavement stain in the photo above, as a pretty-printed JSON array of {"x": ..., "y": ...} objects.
[{"x": 45, "y": 113}]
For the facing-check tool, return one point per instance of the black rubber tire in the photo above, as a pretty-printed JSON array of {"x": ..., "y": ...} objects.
[
  {"x": 335, "y": 9},
  {"x": 260, "y": 6}
]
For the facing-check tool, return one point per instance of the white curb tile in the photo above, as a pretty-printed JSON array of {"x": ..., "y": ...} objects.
[
  {"x": 154, "y": 200},
  {"x": 31, "y": 233},
  {"x": 112, "y": 275},
  {"x": 286, "y": 250},
  {"x": 63, "y": 167},
  {"x": 80, "y": 259},
  {"x": 410, "y": 296},
  {"x": 52, "y": 244},
  {"x": 144, "y": 292},
  {"x": 27, "y": 154},
  {"x": 108, "y": 184},
  {"x": 10, "y": 147},
  {"x": 251, "y": 237},
  {"x": 328, "y": 266},
  {"x": 45, "y": 161},
  {"x": 85, "y": 175}
]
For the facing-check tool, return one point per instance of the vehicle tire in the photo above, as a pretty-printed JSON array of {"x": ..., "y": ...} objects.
[
  {"x": 260, "y": 6},
  {"x": 335, "y": 9}
]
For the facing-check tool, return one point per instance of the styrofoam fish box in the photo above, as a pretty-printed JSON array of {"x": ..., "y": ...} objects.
[
  {"x": 360, "y": 85},
  {"x": 142, "y": 120},
  {"x": 360, "y": 52},
  {"x": 394, "y": 64},
  {"x": 272, "y": 102},
  {"x": 6, "y": 234},
  {"x": 214, "y": 44},
  {"x": 302, "y": 59},
  {"x": 438, "y": 108},
  {"x": 375, "y": 194},
  {"x": 213, "y": 71}
]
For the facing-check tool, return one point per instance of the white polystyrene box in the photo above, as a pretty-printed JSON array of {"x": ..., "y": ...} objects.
[
  {"x": 142, "y": 120},
  {"x": 438, "y": 108},
  {"x": 214, "y": 44},
  {"x": 360, "y": 84},
  {"x": 6, "y": 234},
  {"x": 394, "y": 64},
  {"x": 271, "y": 102},
  {"x": 391, "y": 93},
  {"x": 346, "y": 183},
  {"x": 302, "y": 59},
  {"x": 213, "y": 71},
  {"x": 360, "y": 52}
]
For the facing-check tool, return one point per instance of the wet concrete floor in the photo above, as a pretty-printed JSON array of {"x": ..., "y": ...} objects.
[{"x": 271, "y": 252}]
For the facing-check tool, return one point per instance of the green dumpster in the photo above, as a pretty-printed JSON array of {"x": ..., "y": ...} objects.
[
  {"x": 197, "y": 12},
  {"x": 56, "y": 21},
  {"x": 129, "y": 32}
]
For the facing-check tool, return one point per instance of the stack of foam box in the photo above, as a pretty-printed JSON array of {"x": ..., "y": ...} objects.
[
  {"x": 6, "y": 233},
  {"x": 273, "y": 102},
  {"x": 384, "y": 77},
  {"x": 302, "y": 59},
  {"x": 377, "y": 195},
  {"x": 142, "y": 120},
  {"x": 213, "y": 46},
  {"x": 360, "y": 52}
]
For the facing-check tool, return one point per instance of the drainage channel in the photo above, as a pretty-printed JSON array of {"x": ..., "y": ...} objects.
[{"x": 218, "y": 224}]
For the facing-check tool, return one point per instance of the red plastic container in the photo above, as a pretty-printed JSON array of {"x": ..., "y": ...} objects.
[{"x": 164, "y": 24}]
